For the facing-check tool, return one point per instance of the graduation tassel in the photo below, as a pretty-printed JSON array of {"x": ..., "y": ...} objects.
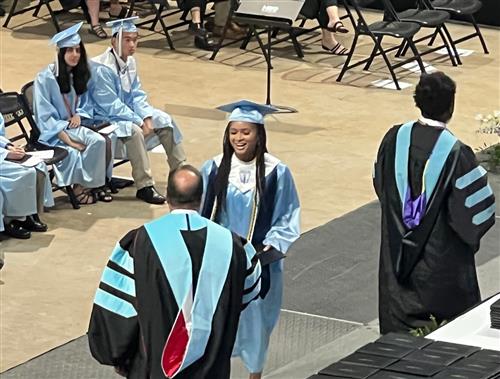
[
  {"x": 120, "y": 34},
  {"x": 56, "y": 63}
]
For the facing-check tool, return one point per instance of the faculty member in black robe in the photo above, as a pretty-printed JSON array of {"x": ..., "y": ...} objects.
[
  {"x": 170, "y": 296},
  {"x": 436, "y": 205}
]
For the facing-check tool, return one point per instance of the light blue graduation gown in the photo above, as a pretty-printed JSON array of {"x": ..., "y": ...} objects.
[
  {"x": 18, "y": 183},
  {"x": 88, "y": 167},
  {"x": 118, "y": 96},
  {"x": 283, "y": 215}
]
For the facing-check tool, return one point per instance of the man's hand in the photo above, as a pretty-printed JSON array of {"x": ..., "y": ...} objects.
[
  {"x": 266, "y": 248},
  {"x": 15, "y": 153},
  {"x": 147, "y": 126},
  {"x": 74, "y": 121},
  {"x": 121, "y": 371}
]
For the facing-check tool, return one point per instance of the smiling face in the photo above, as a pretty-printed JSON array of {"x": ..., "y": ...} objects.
[
  {"x": 243, "y": 139},
  {"x": 72, "y": 56}
]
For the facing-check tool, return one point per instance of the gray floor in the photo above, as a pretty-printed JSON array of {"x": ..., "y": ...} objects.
[{"x": 330, "y": 303}]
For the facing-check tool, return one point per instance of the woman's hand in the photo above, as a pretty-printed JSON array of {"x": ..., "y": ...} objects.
[
  {"x": 74, "y": 121},
  {"x": 15, "y": 153},
  {"x": 147, "y": 127},
  {"x": 77, "y": 145}
]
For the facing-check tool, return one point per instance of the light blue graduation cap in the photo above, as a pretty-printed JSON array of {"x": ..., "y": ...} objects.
[
  {"x": 67, "y": 38},
  {"x": 248, "y": 111},
  {"x": 122, "y": 25}
]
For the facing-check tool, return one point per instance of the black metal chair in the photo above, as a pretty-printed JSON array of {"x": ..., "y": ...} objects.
[
  {"x": 37, "y": 7},
  {"x": 426, "y": 18},
  {"x": 292, "y": 33},
  {"x": 463, "y": 8},
  {"x": 25, "y": 101},
  {"x": 377, "y": 31}
]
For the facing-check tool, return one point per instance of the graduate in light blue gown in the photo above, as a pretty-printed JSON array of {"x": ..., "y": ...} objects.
[
  {"x": 24, "y": 190},
  {"x": 119, "y": 98},
  {"x": 60, "y": 102},
  {"x": 252, "y": 193}
]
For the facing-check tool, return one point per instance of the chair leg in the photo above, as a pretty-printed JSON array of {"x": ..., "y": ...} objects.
[
  {"x": 222, "y": 37},
  {"x": 38, "y": 8},
  {"x": 11, "y": 11},
  {"x": 72, "y": 197},
  {"x": 349, "y": 57},
  {"x": 131, "y": 8},
  {"x": 431, "y": 41},
  {"x": 372, "y": 54},
  {"x": 402, "y": 49},
  {"x": 479, "y": 34},
  {"x": 247, "y": 39},
  {"x": 416, "y": 54},
  {"x": 447, "y": 46},
  {"x": 275, "y": 32},
  {"x": 157, "y": 18},
  {"x": 296, "y": 44},
  {"x": 52, "y": 16},
  {"x": 452, "y": 44},
  {"x": 388, "y": 64}
]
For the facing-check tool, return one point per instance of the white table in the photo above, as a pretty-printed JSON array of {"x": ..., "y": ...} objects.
[{"x": 472, "y": 328}]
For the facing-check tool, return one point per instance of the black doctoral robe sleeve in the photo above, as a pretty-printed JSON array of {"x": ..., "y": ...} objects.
[
  {"x": 380, "y": 162},
  {"x": 114, "y": 331},
  {"x": 471, "y": 204}
]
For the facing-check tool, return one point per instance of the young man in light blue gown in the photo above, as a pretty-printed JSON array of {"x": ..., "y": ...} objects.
[
  {"x": 60, "y": 102},
  {"x": 24, "y": 191},
  {"x": 252, "y": 193},
  {"x": 119, "y": 98}
]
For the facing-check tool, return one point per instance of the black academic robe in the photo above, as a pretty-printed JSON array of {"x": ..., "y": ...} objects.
[
  {"x": 132, "y": 335},
  {"x": 429, "y": 269}
]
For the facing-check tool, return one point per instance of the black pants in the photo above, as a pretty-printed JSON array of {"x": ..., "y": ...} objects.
[{"x": 317, "y": 9}]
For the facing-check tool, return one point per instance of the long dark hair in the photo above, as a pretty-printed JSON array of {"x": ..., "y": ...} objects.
[
  {"x": 222, "y": 178},
  {"x": 81, "y": 72}
]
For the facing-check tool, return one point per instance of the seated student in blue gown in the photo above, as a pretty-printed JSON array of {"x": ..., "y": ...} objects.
[
  {"x": 24, "y": 191},
  {"x": 119, "y": 98},
  {"x": 252, "y": 193},
  {"x": 60, "y": 102}
]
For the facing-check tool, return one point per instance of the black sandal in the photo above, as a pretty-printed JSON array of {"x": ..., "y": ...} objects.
[
  {"x": 103, "y": 194},
  {"x": 338, "y": 49},
  {"x": 98, "y": 31},
  {"x": 84, "y": 196},
  {"x": 338, "y": 27}
]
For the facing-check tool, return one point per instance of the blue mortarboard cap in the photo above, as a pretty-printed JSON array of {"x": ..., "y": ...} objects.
[
  {"x": 125, "y": 24},
  {"x": 68, "y": 37},
  {"x": 247, "y": 111}
]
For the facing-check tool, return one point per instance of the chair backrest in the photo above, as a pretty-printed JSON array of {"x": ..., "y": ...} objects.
[
  {"x": 357, "y": 5},
  {"x": 27, "y": 98},
  {"x": 390, "y": 13},
  {"x": 14, "y": 112}
]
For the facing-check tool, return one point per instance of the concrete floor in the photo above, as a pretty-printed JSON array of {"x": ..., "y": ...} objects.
[{"x": 48, "y": 282}]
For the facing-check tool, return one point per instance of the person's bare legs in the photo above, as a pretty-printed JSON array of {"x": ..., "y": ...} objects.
[
  {"x": 333, "y": 15},
  {"x": 328, "y": 39},
  {"x": 255, "y": 375},
  {"x": 196, "y": 15},
  {"x": 93, "y": 7}
]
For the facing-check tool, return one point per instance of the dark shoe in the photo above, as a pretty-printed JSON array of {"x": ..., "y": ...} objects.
[
  {"x": 338, "y": 49},
  {"x": 150, "y": 195},
  {"x": 195, "y": 27},
  {"x": 16, "y": 230},
  {"x": 338, "y": 27},
  {"x": 204, "y": 41},
  {"x": 34, "y": 224}
]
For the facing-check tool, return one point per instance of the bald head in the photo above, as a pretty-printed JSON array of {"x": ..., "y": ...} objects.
[{"x": 185, "y": 188}]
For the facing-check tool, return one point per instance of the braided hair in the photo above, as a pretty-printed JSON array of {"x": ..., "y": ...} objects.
[{"x": 222, "y": 178}]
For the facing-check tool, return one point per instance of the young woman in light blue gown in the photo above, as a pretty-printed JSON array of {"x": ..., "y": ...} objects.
[
  {"x": 252, "y": 193},
  {"x": 61, "y": 101}
]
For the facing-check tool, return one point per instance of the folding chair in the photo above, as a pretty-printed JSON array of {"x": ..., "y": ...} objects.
[
  {"x": 36, "y": 8},
  {"x": 465, "y": 8},
  {"x": 293, "y": 32},
  {"x": 426, "y": 18},
  {"x": 377, "y": 31},
  {"x": 25, "y": 112},
  {"x": 53, "y": 14}
]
